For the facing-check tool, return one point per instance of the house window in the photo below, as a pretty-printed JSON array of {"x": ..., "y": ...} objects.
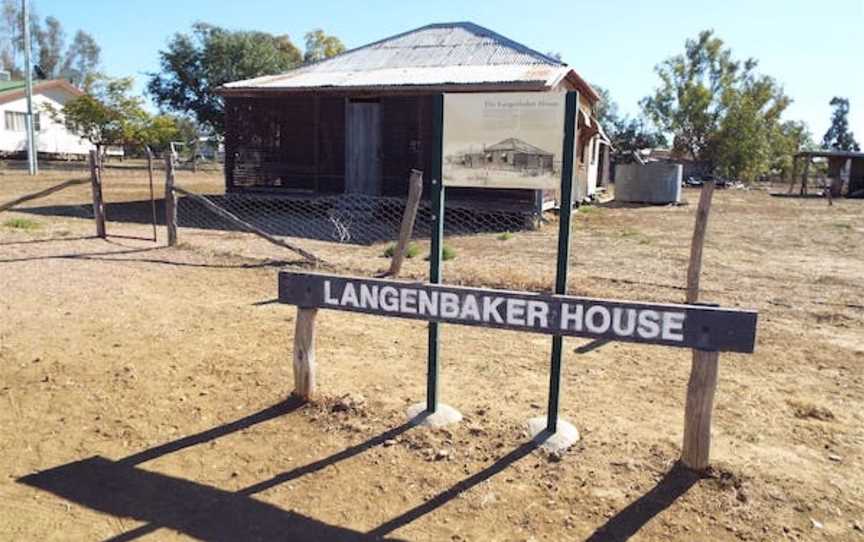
[{"x": 16, "y": 121}]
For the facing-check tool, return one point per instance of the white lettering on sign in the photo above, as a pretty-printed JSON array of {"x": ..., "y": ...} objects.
[
  {"x": 389, "y": 298},
  {"x": 571, "y": 317},
  {"x": 599, "y": 319},
  {"x": 428, "y": 303},
  {"x": 490, "y": 309},
  {"x": 649, "y": 324},
  {"x": 515, "y": 312},
  {"x": 538, "y": 314},
  {"x": 673, "y": 326}
]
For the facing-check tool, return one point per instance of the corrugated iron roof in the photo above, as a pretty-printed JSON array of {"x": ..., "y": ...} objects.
[{"x": 437, "y": 54}]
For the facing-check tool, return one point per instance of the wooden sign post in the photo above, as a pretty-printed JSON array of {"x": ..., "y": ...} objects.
[
  {"x": 703, "y": 374},
  {"x": 705, "y": 329}
]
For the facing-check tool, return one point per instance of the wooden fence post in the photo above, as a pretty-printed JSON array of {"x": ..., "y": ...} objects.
[
  {"x": 696, "y": 448},
  {"x": 170, "y": 200},
  {"x": 304, "y": 354},
  {"x": 96, "y": 189},
  {"x": 152, "y": 196},
  {"x": 415, "y": 188}
]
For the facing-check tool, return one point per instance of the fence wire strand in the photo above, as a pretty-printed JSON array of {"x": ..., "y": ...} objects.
[{"x": 346, "y": 218}]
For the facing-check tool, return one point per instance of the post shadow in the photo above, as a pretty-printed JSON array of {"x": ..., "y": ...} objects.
[
  {"x": 49, "y": 240},
  {"x": 448, "y": 495},
  {"x": 315, "y": 466},
  {"x": 197, "y": 510},
  {"x": 121, "y": 489},
  {"x": 631, "y": 519},
  {"x": 279, "y": 409}
]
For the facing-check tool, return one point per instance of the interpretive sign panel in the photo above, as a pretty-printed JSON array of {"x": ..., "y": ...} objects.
[
  {"x": 503, "y": 140},
  {"x": 690, "y": 326}
]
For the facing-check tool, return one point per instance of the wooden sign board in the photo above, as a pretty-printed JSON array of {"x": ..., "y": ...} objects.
[{"x": 688, "y": 326}]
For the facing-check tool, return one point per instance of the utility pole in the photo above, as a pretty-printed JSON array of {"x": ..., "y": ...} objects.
[{"x": 28, "y": 79}]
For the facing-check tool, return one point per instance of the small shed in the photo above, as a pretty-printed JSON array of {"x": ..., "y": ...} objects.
[
  {"x": 358, "y": 123},
  {"x": 845, "y": 171}
]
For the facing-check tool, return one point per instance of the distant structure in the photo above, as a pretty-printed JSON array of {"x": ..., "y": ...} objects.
[
  {"x": 509, "y": 154},
  {"x": 845, "y": 172},
  {"x": 359, "y": 122},
  {"x": 52, "y": 137}
]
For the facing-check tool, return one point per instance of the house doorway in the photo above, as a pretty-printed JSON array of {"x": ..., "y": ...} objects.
[{"x": 363, "y": 147}]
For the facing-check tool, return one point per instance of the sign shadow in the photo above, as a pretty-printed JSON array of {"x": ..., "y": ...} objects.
[{"x": 631, "y": 519}]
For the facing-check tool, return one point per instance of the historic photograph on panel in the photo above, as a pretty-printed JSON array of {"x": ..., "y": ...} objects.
[{"x": 503, "y": 140}]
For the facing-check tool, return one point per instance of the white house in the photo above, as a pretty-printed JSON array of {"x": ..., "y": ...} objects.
[{"x": 52, "y": 137}]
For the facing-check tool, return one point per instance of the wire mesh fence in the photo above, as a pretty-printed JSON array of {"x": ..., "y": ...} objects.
[{"x": 345, "y": 218}]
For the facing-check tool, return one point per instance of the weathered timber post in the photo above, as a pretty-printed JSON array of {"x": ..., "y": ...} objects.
[
  {"x": 304, "y": 354},
  {"x": 415, "y": 188},
  {"x": 170, "y": 201},
  {"x": 805, "y": 176},
  {"x": 96, "y": 189},
  {"x": 696, "y": 448},
  {"x": 152, "y": 196},
  {"x": 794, "y": 178}
]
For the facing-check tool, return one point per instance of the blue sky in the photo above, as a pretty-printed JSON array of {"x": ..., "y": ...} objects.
[{"x": 813, "y": 49}]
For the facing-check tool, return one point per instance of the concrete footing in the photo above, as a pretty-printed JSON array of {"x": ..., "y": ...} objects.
[
  {"x": 565, "y": 437},
  {"x": 443, "y": 415}
]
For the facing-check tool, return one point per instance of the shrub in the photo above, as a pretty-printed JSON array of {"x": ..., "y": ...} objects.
[
  {"x": 447, "y": 253},
  {"x": 410, "y": 252},
  {"x": 21, "y": 224}
]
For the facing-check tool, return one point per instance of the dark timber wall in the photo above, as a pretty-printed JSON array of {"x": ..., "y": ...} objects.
[{"x": 295, "y": 144}]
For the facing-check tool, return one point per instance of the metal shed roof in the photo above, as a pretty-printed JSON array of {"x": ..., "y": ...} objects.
[{"x": 438, "y": 54}]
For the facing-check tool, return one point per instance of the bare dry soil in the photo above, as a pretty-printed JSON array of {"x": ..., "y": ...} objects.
[{"x": 145, "y": 390}]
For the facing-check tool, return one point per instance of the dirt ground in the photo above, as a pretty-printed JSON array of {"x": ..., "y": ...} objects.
[{"x": 145, "y": 390}]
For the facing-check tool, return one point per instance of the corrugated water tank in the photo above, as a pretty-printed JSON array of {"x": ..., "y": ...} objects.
[{"x": 654, "y": 182}]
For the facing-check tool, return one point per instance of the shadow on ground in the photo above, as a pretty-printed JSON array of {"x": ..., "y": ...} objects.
[
  {"x": 122, "y": 489},
  {"x": 630, "y": 520},
  {"x": 129, "y": 254},
  {"x": 360, "y": 221}
]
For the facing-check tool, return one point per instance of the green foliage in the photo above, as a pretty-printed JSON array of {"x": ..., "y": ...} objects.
[
  {"x": 722, "y": 112},
  {"x": 626, "y": 134},
  {"x": 838, "y": 135},
  {"x": 605, "y": 110},
  {"x": 505, "y": 236},
  {"x": 194, "y": 65},
  {"x": 21, "y": 224},
  {"x": 107, "y": 114},
  {"x": 157, "y": 132},
  {"x": 745, "y": 143},
  {"x": 320, "y": 46},
  {"x": 52, "y": 58},
  {"x": 412, "y": 251},
  {"x": 448, "y": 253},
  {"x": 690, "y": 100}
]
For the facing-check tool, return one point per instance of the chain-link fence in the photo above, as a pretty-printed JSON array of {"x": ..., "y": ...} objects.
[{"x": 346, "y": 218}]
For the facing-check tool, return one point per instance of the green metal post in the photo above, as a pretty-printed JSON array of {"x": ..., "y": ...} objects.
[
  {"x": 571, "y": 110},
  {"x": 435, "y": 252}
]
